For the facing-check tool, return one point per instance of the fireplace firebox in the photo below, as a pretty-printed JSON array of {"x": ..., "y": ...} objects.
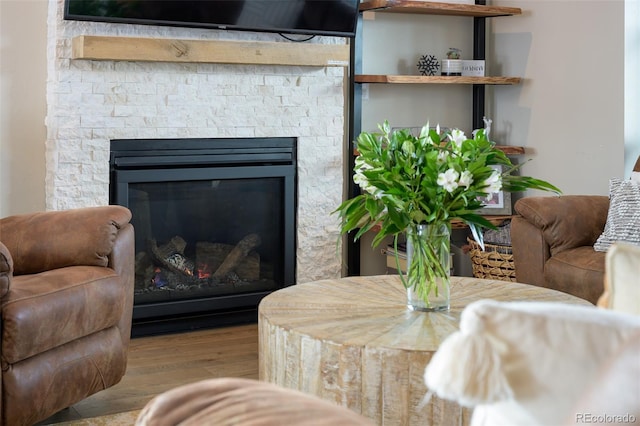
[{"x": 215, "y": 226}]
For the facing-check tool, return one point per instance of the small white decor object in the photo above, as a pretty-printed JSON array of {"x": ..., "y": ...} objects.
[
  {"x": 473, "y": 68},
  {"x": 452, "y": 66}
]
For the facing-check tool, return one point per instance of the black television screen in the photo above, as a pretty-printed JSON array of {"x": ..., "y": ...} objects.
[{"x": 313, "y": 17}]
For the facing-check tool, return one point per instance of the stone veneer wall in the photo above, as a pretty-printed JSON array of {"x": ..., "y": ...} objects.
[{"x": 92, "y": 102}]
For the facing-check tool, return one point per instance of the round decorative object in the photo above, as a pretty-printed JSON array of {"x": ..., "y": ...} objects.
[
  {"x": 428, "y": 65},
  {"x": 353, "y": 342},
  {"x": 453, "y": 64},
  {"x": 451, "y": 67}
]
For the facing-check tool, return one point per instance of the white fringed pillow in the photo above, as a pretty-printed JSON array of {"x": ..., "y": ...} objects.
[
  {"x": 621, "y": 285},
  {"x": 623, "y": 220},
  {"x": 528, "y": 363}
]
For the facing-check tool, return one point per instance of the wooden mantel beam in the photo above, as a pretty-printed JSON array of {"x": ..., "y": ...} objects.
[{"x": 209, "y": 51}]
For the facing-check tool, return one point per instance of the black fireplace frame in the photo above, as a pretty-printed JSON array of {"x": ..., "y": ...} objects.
[{"x": 174, "y": 160}]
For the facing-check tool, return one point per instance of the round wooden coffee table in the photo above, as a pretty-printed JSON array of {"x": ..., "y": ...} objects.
[{"x": 354, "y": 341}]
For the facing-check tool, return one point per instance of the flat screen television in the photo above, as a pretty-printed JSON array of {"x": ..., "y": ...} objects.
[{"x": 312, "y": 17}]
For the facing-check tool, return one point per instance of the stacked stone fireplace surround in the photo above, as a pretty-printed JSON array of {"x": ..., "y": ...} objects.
[{"x": 89, "y": 103}]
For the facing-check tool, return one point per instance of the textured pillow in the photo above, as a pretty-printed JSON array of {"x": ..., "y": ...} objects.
[
  {"x": 621, "y": 286},
  {"x": 623, "y": 219},
  {"x": 533, "y": 363}
]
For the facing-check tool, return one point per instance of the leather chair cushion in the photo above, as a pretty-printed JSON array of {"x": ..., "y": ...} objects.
[
  {"x": 75, "y": 237},
  {"x": 43, "y": 384},
  {"x": 577, "y": 271},
  {"x": 568, "y": 221},
  {"x": 56, "y": 307}
]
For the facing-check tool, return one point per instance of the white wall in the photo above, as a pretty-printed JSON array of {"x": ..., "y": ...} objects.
[
  {"x": 569, "y": 112},
  {"x": 23, "y": 38},
  {"x": 632, "y": 84}
]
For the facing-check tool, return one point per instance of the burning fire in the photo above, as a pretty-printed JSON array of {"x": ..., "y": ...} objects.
[
  {"x": 204, "y": 271},
  {"x": 158, "y": 279}
]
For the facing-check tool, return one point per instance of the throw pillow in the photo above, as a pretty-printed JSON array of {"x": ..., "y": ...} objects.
[
  {"x": 621, "y": 287},
  {"x": 623, "y": 219},
  {"x": 500, "y": 236},
  {"x": 533, "y": 363}
]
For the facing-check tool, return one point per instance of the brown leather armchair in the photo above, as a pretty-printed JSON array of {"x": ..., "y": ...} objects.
[
  {"x": 66, "y": 288},
  {"x": 552, "y": 240}
]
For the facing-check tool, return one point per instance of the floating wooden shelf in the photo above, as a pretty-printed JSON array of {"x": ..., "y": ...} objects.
[
  {"x": 209, "y": 51},
  {"x": 420, "y": 79},
  {"x": 437, "y": 8},
  {"x": 511, "y": 150}
]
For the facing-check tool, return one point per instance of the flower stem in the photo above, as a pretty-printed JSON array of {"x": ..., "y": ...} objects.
[{"x": 428, "y": 251}]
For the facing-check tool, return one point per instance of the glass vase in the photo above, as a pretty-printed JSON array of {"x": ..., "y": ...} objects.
[{"x": 428, "y": 267}]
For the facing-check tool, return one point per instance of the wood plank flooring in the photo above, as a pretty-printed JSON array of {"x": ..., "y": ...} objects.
[{"x": 160, "y": 363}]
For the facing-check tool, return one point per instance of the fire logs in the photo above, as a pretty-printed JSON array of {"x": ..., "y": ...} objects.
[
  {"x": 171, "y": 256},
  {"x": 175, "y": 270},
  {"x": 221, "y": 262},
  {"x": 210, "y": 258},
  {"x": 237, "y": 255}
]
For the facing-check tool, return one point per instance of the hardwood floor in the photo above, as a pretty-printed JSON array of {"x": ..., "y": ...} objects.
[{"x": 160, "y": 363}]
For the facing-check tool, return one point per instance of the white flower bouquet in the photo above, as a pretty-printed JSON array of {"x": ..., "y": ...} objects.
[{"x": 430, "y": 179}]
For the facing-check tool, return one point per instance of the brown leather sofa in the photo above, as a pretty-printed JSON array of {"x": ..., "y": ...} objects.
[
  {"x": 66, "y": 288},
  {"x": 553, "y": 239}
]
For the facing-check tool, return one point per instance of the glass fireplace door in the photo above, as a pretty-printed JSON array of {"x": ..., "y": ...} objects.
[{"x": 210, "y": 238}]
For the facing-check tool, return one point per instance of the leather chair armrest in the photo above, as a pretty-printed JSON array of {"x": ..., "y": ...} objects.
[
  {"x": 6, "y": 270},
  {"x": 122, "y": 260},
  {"x": 530, "y": 251},
  {"x": 566, "y": 221},
  {"x": 48, "y": 240}
]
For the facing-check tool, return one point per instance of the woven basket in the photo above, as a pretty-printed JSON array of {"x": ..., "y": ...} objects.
[{"x": 494, "y": 263}]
